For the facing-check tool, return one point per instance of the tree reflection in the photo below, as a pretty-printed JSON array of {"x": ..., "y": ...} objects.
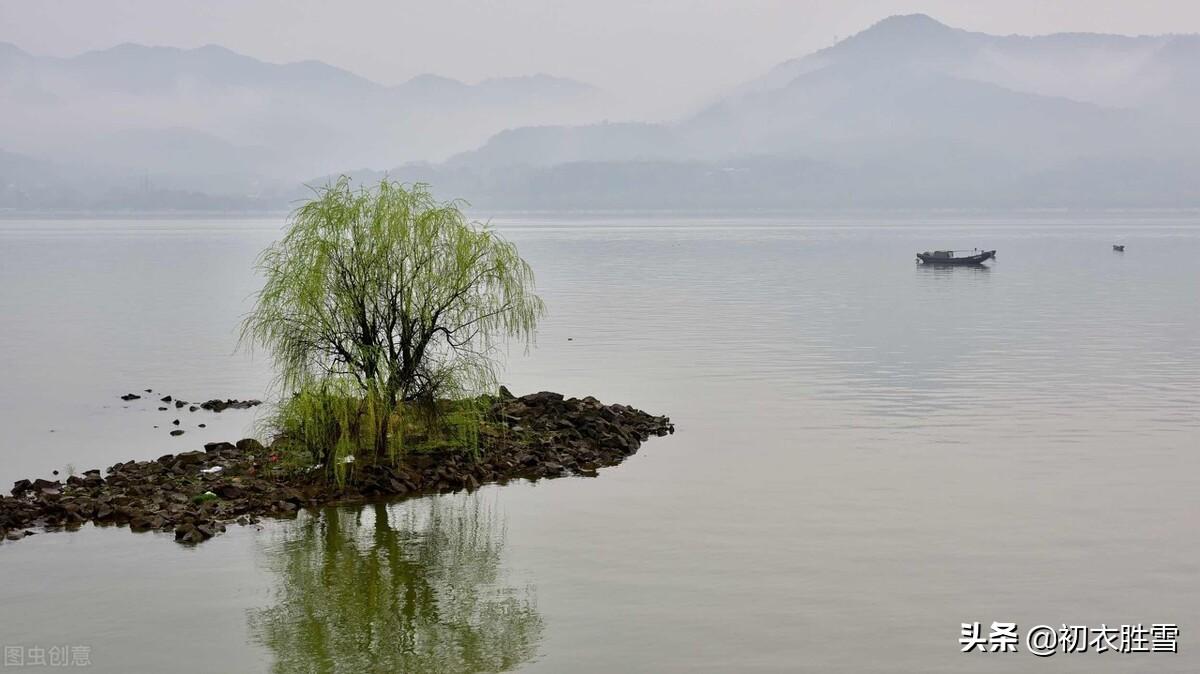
[{"x": 413, "y": 587}]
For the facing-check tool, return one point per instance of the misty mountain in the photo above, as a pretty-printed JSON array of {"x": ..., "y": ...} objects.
[
  {"x": 549, "y": 145},
  {"x": 140, "y": 69},
  {"x": 29, "y": 184},
  {"x": 849, "y": 114},
  {"x": 911, "y": 110},
  {"x": 181, "y": 113},
  {"x": 1149, "y": 72},
  {"x": 956, "y": 177}
]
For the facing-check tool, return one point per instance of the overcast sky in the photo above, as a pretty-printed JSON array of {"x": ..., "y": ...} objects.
[{"x": 671, "y": 49}]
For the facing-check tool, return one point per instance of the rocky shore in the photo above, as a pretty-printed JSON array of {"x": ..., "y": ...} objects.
[{"x": 196, "y": 494}]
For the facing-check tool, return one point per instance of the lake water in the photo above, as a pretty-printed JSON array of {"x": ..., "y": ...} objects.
[{"x": 869, "y": 453}]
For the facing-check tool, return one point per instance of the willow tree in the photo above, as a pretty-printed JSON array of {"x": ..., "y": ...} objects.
[{"x": 387, "y": 292}]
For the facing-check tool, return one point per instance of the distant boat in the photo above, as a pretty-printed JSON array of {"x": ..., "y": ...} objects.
[
  {"x": 949, "y": 257},
  {"x": 1119, "y": 248}
]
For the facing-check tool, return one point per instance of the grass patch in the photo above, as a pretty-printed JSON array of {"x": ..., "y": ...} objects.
[{"x": 335, "y": 429}]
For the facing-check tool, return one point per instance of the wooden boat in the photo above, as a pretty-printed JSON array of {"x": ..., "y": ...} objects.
[
  {"x": 949, "y": 257},
  {"x": 1119, "y": 248}
]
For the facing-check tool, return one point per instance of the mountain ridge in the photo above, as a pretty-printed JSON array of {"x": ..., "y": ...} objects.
[
  {"x": 1009, "y": 117},
  {"x": 907, "y": 111},
  {"x": 289, "y": 120},
  {"x": 139, "y": 50}
]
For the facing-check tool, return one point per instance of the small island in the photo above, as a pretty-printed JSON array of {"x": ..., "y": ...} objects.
[
  {"x": 195, "y": 494},
  {"x": 385, "y": 312}
]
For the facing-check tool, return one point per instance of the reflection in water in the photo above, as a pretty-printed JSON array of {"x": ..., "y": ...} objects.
[
  {"x": 949, "y": 270},
  {"x": 411, "y": 587}
]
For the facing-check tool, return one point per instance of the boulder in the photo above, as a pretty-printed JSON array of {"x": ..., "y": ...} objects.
[
  {"x": 189, "y": 533},
  {"x": 249, "y": 445},
  {"x": 47, "y": 486},
  {"x": 191, "y": 458},
  {"x": 146, "y": 522},
  {"x": 216, "y": 405},
  {"x": 229, "y": 492}
]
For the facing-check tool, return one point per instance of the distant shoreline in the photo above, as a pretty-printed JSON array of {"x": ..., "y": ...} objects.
[{"x": 1191, "y": 211}]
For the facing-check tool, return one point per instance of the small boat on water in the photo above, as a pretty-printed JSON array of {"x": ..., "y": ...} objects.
[
  {"x": 1120, "y": 248},
  {"x": 976, "y": 257}
]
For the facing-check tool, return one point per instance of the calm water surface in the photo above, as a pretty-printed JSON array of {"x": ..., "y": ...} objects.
[{"x": 869, "y": 453}]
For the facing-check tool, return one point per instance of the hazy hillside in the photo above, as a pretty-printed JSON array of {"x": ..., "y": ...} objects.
[
  {"x": 911, "y": 111},
  {"x": 1154, "y": 72},
  {"x": 549, "y": 145},
  {"x": 209, "y": 119}
]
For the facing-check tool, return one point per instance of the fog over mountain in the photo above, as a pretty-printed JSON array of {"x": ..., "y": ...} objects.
[
  {"x": 211, "y": 120},
  {"x": 909, "y": 112}
]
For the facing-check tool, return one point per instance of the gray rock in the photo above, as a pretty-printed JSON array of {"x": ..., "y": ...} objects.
[
  {"x": 191, "y": 458},
  {"x": 249, "y": 445},
  {"x": 21, "y": 486}
]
